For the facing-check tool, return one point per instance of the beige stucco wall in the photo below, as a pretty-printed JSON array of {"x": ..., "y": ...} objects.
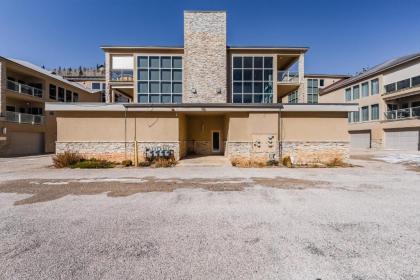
[{"x": 314, "y": 126}]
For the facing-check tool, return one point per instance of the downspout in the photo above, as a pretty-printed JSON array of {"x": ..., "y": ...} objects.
[
  {"x": 280, "y": 134},
  {"x": 125, "y": 133},
  {"x": 136, "y": 148}
]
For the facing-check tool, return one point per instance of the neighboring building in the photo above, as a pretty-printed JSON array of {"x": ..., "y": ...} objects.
[
  {"x": 205, "y": 98},
  {"x": 313, "y": 84},
  {"x": 389, "y": 104},
  {"x": 25, "y": 128}
]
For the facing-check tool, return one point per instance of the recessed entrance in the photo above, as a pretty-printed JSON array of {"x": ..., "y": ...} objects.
[{"x": 215, "y": 141}]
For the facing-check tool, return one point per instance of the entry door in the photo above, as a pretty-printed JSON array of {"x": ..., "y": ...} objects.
[{"x": 215, "y": 141}]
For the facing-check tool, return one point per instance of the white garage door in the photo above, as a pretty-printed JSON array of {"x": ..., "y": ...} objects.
[
  {"x": 25, "y": 143},
  {"x": 360, "y": 140},
  {"x": 402, "y": 140}
]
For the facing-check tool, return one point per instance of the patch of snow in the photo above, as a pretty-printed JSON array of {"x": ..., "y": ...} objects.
[
  {"x": 410, "y": 159},
  {"x": 55, "y": 183}
]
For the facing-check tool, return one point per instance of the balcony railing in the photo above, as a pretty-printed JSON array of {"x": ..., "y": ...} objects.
[
  {"x": 412, "y": 112},
  {"x": 122, "y": 75},
  {"x": 23, "y": 118},
  {"x": 24, "y": 89},
  {"x": 287, "y": 77}
]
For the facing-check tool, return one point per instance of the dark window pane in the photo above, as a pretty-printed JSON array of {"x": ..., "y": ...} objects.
[
  {"x": 237, "y": 62},
  {"x": 176, "y": 87},
  {"x": 258, "y": 62},
  {"x": 268, "y": 98},
  {"x": 165, "y": 62},
  {"x": 96, "y": 85},
  {"x": 154, "y": 75},
  {"x": 247, "y": 98},
  {"x": 143, "y": 62},
  {"x": 258, "y": 75},
  {"x": 258, "y": 87},
  {"x": 237, "y": 98},
  {"x": 321, "y": 83},
  {"x": 165, "y": 87},
  {"x": 68, "y": 96},
  {"x": 268, "y": 62},
  {"x": 268, "y": 75},
  {"x": 155, "y": 98},
  {"x": 258, "y": 98},
  {"x": 177, "y": 62},
  {"x": 166, "y": 99},
  {"x": 390, "y": 88},
  {"x": 247, "y": 87},
  {"x": 143, "y": 75},
  {"x": 237, "y": 87},
  {"x": 154, "y": 87},
  {"x": 143, "y": 98},
  {"x": 403, "y": 84},
  {"x": 247, "y": 75},
  {"x": 154, "y": 62},
  {"x": 53, "y": 92},
  {"x": 177, "y": 75},
  {"x": 176, "y": 98},
  {"x": 268, "y": 87},
  {"x": 415, "y": 81},
  {"x": 165, "y": 75},
  {"x": 237, "y": 75},
  {"x": 142, "y": 87},
  {"x": 247, "y": 62}
]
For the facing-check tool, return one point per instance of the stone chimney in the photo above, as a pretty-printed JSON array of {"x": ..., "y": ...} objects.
[{"x": 204, "y": 57}]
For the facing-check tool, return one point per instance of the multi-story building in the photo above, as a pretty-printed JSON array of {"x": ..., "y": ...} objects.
[
  {"x": 388, "y": 95},
  {"x": 313, "y": 84},
  {"x": 25, "y": 127},
  {"x": 205, "y": 97}
]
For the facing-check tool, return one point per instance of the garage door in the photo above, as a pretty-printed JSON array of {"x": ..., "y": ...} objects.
[
  {"x": 360, "y": 140},
  {"x": 25, "y": 143},
  {"x": 402, "y": 140}
]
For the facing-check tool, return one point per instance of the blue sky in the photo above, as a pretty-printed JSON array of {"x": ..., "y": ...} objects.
[{"x": 343, "y": 36}]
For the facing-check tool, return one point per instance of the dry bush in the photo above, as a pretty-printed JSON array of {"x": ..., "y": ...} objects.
[
  {"x": 93, "y": 163},
  {"x": 164, "y": 162},
  {"x": 337, "y": 162},
  {"x": 247, "y": 163},
  {"x": 287, "y": 161},
  {"x": 66, "y": 159},
  {"x": 127, "y": 163},
  {"x": 144, "y": 163}
]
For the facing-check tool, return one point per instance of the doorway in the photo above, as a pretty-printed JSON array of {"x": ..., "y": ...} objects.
[{"x": 215, "y": 141}]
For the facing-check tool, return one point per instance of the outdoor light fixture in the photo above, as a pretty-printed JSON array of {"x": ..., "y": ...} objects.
[
  {"x": 194, "y": 91},
  {"x": 219, "y": 91}
]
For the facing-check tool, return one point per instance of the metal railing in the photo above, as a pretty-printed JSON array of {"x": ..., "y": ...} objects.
[
  {"x": 24, "y": 89},
  {"x": 23, "y": 118},
  {"x": 287, "y": 77},
  {"x": 122, "y": 75},
  {"x": 411, "y": 112}
]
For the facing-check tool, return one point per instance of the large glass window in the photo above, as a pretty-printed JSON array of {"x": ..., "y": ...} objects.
[
  {"x": 374, "y": 86},
  {"x": 356, "y": 92},
  {"x": 96, "y": 86},
  {"x": 293, "y": 97},
  {"x": 365, "y": 89},
  {"x": 313, "y": 90},
  {"x": 252, "y": 79},
  {"x": 348, "y": 94},
  {"x": 69, "y": 96},
  {"x": 374, "y": 112},
  {"x": 53, "y": 92},
  {"x": 365, "y": 113},
  {"x": 356, "y": 116},
  {"x": 159, "y": 79}
]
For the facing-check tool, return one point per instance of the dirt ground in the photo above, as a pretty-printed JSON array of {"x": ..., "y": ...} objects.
[{"x": 210, "y": 222}]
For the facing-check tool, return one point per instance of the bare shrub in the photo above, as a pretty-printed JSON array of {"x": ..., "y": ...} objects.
[
  {"x": 287, "y": 161},
  {"x": 66, "y": 159}
]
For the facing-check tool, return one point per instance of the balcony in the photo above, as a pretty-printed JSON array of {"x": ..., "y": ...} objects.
[
  {"x": 23, "y": 118},
  {"x": 24, "y": 89},
  {"x": 413, "y": 112},
  {"x": 287, "y": 77},
  {"x": 122, "y": 75}
]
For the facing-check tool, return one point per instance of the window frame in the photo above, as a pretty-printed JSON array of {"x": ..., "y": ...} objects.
[
  {"x": 50, "y": 91},
  {"x": 365, "y": 109},
  {"x": 374, "y": 117}
]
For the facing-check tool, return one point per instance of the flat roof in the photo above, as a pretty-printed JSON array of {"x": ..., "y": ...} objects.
[{"x": 193, "y": 107}]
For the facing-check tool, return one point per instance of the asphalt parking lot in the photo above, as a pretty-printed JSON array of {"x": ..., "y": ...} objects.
[{"x": 210, "y": 222}]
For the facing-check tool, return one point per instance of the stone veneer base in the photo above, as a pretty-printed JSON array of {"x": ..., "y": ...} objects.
[
  {"x": 115, "y": 151},
  {"x": 314, "y": 151}
]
